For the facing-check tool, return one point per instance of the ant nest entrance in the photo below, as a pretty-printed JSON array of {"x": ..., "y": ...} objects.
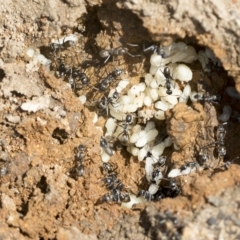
[{"x": 163, "y": 123}]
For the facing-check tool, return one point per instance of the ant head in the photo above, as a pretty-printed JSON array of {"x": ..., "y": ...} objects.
[
  {"x": 166, "y": 71},
  {"x": 169, "y": 91},
  {"x": 117, "y": 72},
  {"x": 129, "y": 119},
  {"x": 115, "y": 95},
  {"x": 104, "y": 54},
  {"x": 81, "y": 147}
]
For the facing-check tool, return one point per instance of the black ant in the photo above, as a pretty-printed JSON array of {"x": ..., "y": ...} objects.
[
  {"x": 211, "y": 98},
  {"x": 110, "y": 77},
  {"x": 105, "y": 146},
  {"x": 158, "y": 49},
  {"x": 105, "y": 101},
  {"x": 107, "y": 53},
  {"x": 167, "y": 74},
  {"x": 124, "y": 135}
]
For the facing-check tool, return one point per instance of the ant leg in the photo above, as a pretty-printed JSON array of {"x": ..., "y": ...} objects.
[
  {"x": 133, "y": 55},
  {"x": 107, "y": 58}
]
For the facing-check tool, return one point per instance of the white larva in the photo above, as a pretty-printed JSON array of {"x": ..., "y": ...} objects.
[
  {"x": 82, "y": 99},
  {"x": 160, "y": 115},
  {"x": 174, "y": 173},
  {"x": 161, "y": 105},
  {"x": 153, "y": 188},
  {"x": 168, "y": 142},
  {"x": 149, "y": 168},
  {"x": 156, "y": 59},
  {"x": 147, "y": 101},
  {"x": 110, "y": 125},
  {"x": 105, "y": 157},
  {"x": 227, "y": 111},
  {"x": 158, "y": 149},
  {"x": 153, "y": 94},
  {"x": 149, "y": 126},
  {"x": 183, "y": 73}
]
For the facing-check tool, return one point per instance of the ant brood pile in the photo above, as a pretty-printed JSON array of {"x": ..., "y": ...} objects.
[{"x": 166, "y": 84}]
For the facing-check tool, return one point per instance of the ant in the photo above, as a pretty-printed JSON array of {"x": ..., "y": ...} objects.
[
  {"x": 79, "y": 157},
  {"x": 167, "y": 74},
  {"x": 105, "y": 101},
  {"x": 188, "y": 165},
  {"x": 124, "y": 135},
  {"x": 78, "y": 75},
  {"x": 146, "y": 194},
  {"x": 211, "y": 98},
  {"x": 110, "y": 77},
  {"x": 105, "y": 146},
  {"x": 158, "y": 49},
  {"x": 107, "y": 53}
]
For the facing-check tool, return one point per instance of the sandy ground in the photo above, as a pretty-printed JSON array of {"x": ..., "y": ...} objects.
[{"x": 40, "y": 196}]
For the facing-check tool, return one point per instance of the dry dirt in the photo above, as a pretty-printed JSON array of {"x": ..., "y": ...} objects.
[{"x": 40, "y": 199}]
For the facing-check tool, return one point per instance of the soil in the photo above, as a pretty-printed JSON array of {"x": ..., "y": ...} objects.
[{"x": 40, "y": 196}]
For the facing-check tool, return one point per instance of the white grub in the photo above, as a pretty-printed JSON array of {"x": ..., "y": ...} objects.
[
  {"x": 82, "y": 99},
  {"x": 135, "y": 89},
  {"x": 110, "y": 125},
  {"x": 160, "y": 78},
  {"x": 158, "y": 149},
  {"x": 186, "y": 93},
  {"x": 160, "y": 115},
  {"x": 142, "y": 140},
  {"x": 183, "y": 73},
  {"x": 233, "y": 93},
  {"x": 143, "y": 151},
  {"x": 174, "y": 173},
  {"x": 105, "y": 157},
  {"x": 149, "y": 126},
  {"x": 168, "y": 142},
  {"x": 147, "y": 101},
  {"x": 227, "y": 111},
  {"x": 148, "y": 79},
  {"x": 153, "y": 69},
  {"x": 133, "y": 200},
  {"x": 154, "y": 84},
  {"x": 72, "y": 38},
  {"x": 156, "y": 59},
  {"x": 172, "y": 99},
  {"x": 161, "y": 105},
  {"x": 139, "y": 100},
  {"x": 130, "y": 108},
  {"x": 188, "y": 171},
  {"x": 125, "y": 99},
  {"x": 142, "y": 86},
  {"x": 116, "y": 114},
  {"x": 153, "y": 93},
  {"x": 153, "y": 188},
  {"x": 133, "y": 150},
  {"x": 121, "y": 85},
  {"x": 137, "y": 132},
  {"x": 149, "y": 168},
  {"x": 151, "y": 135}
]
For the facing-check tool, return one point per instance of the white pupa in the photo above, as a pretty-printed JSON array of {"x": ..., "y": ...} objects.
[{"x": 183, "y": 73}]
